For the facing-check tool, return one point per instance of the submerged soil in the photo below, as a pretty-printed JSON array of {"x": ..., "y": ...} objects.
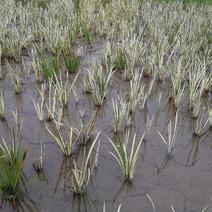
[{"x": 183, "y": 181}]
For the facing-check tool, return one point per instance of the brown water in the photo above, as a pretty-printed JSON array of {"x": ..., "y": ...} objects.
[{"x": 184, "y": 181}]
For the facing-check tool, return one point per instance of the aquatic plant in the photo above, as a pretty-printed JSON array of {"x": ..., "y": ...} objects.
[
  {"x": 15, "y": 75},
  {"x": 52, "y": 102},
  {"x": 39, "y": 108},
  {"x": 15, "y": 40},
  {"x": 85, "y": 131},
  {"x": 172, "y": 136},
  {"x": 120, "y": 59},
  {"x": 11, "y": 163},
  {"x": 66, "y": 145},
  {"x": 119, "y": 111},
  {"x": 178, "y": 84},
  {"x": 49, "y": 68},
  {"x": 87, "y": 34},
  {"x": 71, "y": 62},
  {"x": 127, "y": 161},
  {"x": 197, "y": 83},
  {"x": 63, "y": 89},
  {"x": 136, "y": 90},
  {"x": 12, "y": 160},
  {"x": 98, "y": 80},
  {"x": 81, "y": 177}
]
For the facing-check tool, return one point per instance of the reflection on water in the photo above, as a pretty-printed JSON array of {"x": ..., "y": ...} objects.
[{"x": 184, "y": 178}]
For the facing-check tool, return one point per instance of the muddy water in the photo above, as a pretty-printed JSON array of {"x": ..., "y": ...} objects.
[{"x": 184, "y": 181}]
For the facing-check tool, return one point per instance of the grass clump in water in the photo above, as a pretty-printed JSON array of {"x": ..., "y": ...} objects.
[{"x": 12, "y": 161}]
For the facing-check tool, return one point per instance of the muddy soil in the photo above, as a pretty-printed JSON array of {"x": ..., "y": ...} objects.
[{"x": 184, "y": 181}]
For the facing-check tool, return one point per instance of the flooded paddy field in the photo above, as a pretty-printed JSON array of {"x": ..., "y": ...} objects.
[
  {"x": 183, "y": 180},
  {"x": 103, "y": 112}
]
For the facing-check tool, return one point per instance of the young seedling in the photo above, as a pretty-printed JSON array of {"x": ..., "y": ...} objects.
[
  {"x": 39, "y": 108},
  {"x": 127, "y": 161},
  {"x": 172, "y": 136},
  {"x": 12, "y": 160},
  {"x": 120, "y": 59},
  {"x": 195, "y": 93},
  {"x": 15, "y": 75},
  {"x": 85, "y": 132},
  {"x": 36, "y": 64},
  {"x": 178, "y": 84},
  {"x": 72, "y": 62},
  {"x": 119, "y": 111},
  {"x": 63, "y": 89},
  {"x": 15, "y": 41},
  {"x": 66, "y": 146},
  {"x": 81, "y": 177},
  {"x": 87, "y": 34},
  {"x": 49, "y": 68},
  {"x": 52, "y": 103},
  {"x": 136, "y": 91},
  {"x": 99, "y": 83}
]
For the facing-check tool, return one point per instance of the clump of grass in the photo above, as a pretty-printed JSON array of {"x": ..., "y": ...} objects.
[
  {"x": 87, "y": 34},
  {"x": 49, "y": 68},
  {"x": 66, "y": 145},
  {"x": 119, "y": 111},
  {"x": 72, "y": 62},
  {"x": 11, "y": 164},
  {"x": 52, "y": 102},
  {"x": 81, "y": 177},
  {"x": 127, "y": 161},
  {"x": 198, "y": 82},
  {"x": 39, "y": 108},
  {"x": 120, "y": 59},
  {"x": 15, "y": 75},
  {"x": 136, "y": 91},
  {"x": 12, "y": 160},
  {"x": 63, "y": 89},
  {"x": 98, "y": 80},
  {"x": 178, "y": 84},
  {"x": 43, "y": 66},
  {"x": 2, "y": 107},
  {"x": 172, "y": 136},
  {"x": 15, "y": 40},
  {"x": 86, "y": 130}
]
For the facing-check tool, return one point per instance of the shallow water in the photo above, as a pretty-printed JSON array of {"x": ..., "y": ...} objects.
[{"x": 184, "y": 181}]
